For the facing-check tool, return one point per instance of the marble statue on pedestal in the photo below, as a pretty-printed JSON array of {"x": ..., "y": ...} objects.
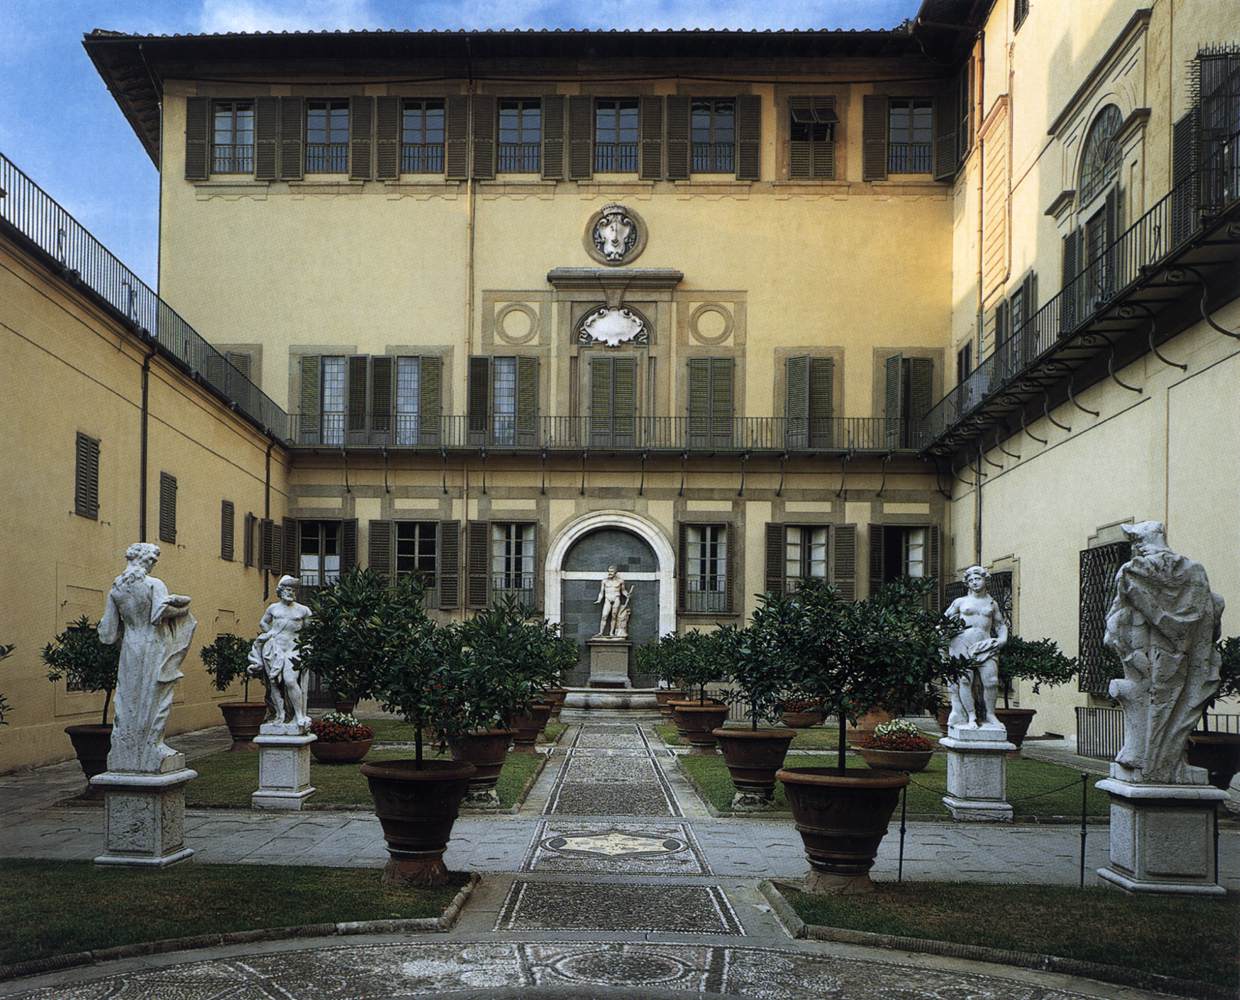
[
  {"x": 985, "y": 633},
  {"x": 1163, "y": 625},
  {"x": 157, "y": 630},
  {"x": 274, "y": 657},
  {"x": 614, "y": 595}
]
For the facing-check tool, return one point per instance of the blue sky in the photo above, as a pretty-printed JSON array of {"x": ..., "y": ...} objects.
[{"x": 59, "y": 124}]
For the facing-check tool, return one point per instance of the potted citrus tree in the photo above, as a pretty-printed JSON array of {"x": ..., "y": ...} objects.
[
  {"x": 85, "y": 664},
  {"x": 656, "y": 659},
  {"x": 694, "y": 658},
  {"x": 1219, "y": 753},
  {"x": 227, "y": 660},
  {"x": 848, "y": 657},
  {"x": 1036, "y": 660},
  {"x": 417, "y": 677}
]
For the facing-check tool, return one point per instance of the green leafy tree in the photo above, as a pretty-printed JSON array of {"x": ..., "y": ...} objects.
[
  {"x": 227, "y": 659},
  {"x": 1229, "y": 676},
  {"x": 85, "y": 663},
  {"x": 1038, "y": 660},
  {"x": 5, "y": 707},
  {"x": 754, "y": 659},
  {"x": 343, "y": 642},
  {"x": 689, "y": 660}
]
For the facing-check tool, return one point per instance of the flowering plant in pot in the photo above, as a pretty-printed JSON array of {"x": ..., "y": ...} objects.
[
  {"x": 1037, "y": 660},
  {"x": 849, "y": 656},
  {"x": 226, "y": 660},
  {"x": 85, "y": 663},
  {"x": 342, "y": 738},
  {"x": 694, "y": 658},
  {"x": 1218, "y": 752},
  {"x": 896, "y": 746},
  {"x": 340, "y": 643}
]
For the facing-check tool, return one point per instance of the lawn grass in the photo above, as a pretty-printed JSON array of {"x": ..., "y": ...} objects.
[
  {"x": 1184, "y": 937},
  {"x": 399, "y": 731},
  {"x": 228, "y": 779},
  {"x": 1025, "y": 779},
  {"x": 815, "y": 738},
  {"x": 61, "y": 907}
]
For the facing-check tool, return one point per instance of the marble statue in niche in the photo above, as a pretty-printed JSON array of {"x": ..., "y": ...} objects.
[
  {"x": 614, "y": 234},
  {"x": 155, "y": 629},
  {"x": 275, "y": 657},
  {"x": 1163, "y": 625},
  {"x": 614, "y": 594},
  {"x": 985, "y": 633}
]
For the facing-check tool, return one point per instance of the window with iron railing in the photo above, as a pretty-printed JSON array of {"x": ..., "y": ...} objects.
[
  {"x": 422, "y": 136},
  {"x": 520, "y": 136},
  {"x": 910, "y": 148},
  {"x": 408, "y": 400},
  {"x": 232, "y": 137},
  {"x": 512, "y": 561},
  {"x": 327, "y": 137},
  {"x": 713, "y": 135},
  {"x": 332, "y": 406},
  {"x": 706, "y": 569},
  {"x": 318, "y": 560},
  {"x": 615, "y": 135},
  {"x": 417, "y": 552},
  {"x": 805, "y": 555}
]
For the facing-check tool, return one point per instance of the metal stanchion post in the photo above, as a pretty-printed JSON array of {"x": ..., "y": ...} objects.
[
  {"x": 1084, "y": 806},
  {"x": 903, "y": 827}
]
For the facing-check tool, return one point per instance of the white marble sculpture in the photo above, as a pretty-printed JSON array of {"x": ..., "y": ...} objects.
[
  {"x": 615, "y": 233},
  {"x": 1163, "y": 625},
  {"x": 985, "y": 633},
  {"x": 613, "y": 327},
  {"x": 274, "y": 656},
  {"x": 613, "y": 594},
  {"x": 157, "y": 630}
]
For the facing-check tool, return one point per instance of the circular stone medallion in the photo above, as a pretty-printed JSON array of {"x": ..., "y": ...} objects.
[
  {"x": 614, "y": 968},
  {"x": 615, "y": 235}
]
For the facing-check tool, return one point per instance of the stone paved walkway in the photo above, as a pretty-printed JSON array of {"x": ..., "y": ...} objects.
[{"x": 612, "y": 881}]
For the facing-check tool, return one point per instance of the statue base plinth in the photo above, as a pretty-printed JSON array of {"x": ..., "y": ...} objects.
[
  {"x": 609, "y": 662},
  {"x": 977, "y": 774},
  {"x": 144, "y": 817},
  {"x": 283, "y": 771},
  {"x": 1162, "y": 837}
]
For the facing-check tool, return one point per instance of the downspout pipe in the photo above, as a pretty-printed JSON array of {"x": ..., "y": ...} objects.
[{"x": 143, "y": 448}]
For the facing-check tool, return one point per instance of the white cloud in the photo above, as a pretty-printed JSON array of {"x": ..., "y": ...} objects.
[{"x": 284, "y": 15}]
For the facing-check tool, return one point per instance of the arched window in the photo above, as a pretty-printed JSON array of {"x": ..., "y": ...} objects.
[{"x": 1101, "y": 158}]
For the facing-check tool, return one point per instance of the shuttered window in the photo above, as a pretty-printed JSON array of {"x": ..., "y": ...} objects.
[
  {"x": 427, "y": 550},
  {"x": 910, "y": 135},
  {"x": 795, "y": 553},
  {"x": 327, "y": 137},
  {"x": 898, "y": 551},
  {"x": 713, "y": 135},
  {"x": 616, "y": 125},
  {"x": 874, "y": 137},
  {"x": 456, "y": 137},
  {"x": 318, "y": 553},
  {"x": 805, "y": 554},
  {"x": 232, "y": 137},
  {"x": 292, "y": 138},
  {"x": 613, "y": 402},
  {"x": 844, "y": 560},
  {"x": 711, "y": 403},
  {"x": 520, "y": 135},
  {"x": 811, "y": 137},
  {"x": 554, "y": 138},
  {"x": 361, "y": 137},
  {"x": 809, "y": 402},
  {"x": 247, "y": 539},
  {"x": 704, "y": 568},
  {"x": 86, "y": 477},
  {"x": 416, "y": 399},
  {"x": 909, "y": 386},
  {"x": 228, "y": 520},
  {"x": 417, "y": 553},
  {"x": 650, "y": 155},
  {"x": 167, "y": 508},
  {"x": 503, "y": 401},
  {"x": 333, "y": 396},
  {"x": 422, "y": 137},
  {"x": 512, "y": 561},
  {"x": 678, "y": 110}
]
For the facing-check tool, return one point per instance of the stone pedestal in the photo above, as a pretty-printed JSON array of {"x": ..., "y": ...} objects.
[
  {"x": 609, "y": 663},
  {"x": 283, "y": 771},
  {"x": 977, "y": 774},
  {"x": 1162, "y": 836},
  {"x": 144, "y": 816}
]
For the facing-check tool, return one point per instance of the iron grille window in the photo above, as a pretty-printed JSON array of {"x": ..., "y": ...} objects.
[
  {"x": 327, "y": 137},
  {"x": 417, "y": 551},
  {"x": 1100, "y": 161},
  {"x": 332, "y": 405},
  {"x": 421, "y": 139},
  {"x": 713, "y": 126},
  {"x": 520, "y": 136},
  {"x": 408, "y": 399},
  {"x": 318, "y": 559},
  {"x": 1020, "y": 12},
  {"x": 512, "y": 561},
  {"x": 805, "y": 555},
  {"x": 615, "y": 135},
  {"x": 1097, "y": 589},
  {"x": 706, "y": 551},
  {"x": 910, "y": 148},
  {"x": 232, "y": 137}
]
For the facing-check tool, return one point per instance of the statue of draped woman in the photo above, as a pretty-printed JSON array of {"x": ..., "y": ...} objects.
[{"x": 154, "y": 628}]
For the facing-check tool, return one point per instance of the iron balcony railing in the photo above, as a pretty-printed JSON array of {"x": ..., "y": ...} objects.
[
  {"x": 557, "y": 433},
  {"x": 234, "y": 158},
  {"x": 1111, "y": 274},
  {"x": 421, "y": 158},
  {"x": 713, "y": 157},
  {"x": 520, "y": 157},
  {"x": 615, "y": 157},
  {"x": 909, "y": 158},
  {"x": 327, "y": 157},
  {"x": 36, "y": 217}
]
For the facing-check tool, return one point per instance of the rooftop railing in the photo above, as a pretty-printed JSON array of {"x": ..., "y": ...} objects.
[{"x": 43, "y": 223}]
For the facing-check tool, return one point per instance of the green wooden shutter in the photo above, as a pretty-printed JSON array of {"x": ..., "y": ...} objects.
[
  {"x": 1185, "y": 183},
  {"x": 86, "y": 477},
  {"x": 228, "y": 530},
  {"x": 456, "y": 137},
  {"x": 274, "y": 564},
  {"x": 1111, "y": 276},
  {"x": 682, "y": 566},
  {"x": 348, "y": 545},
  {"x": 821, "y": 402},
  {"x": 310, "y": 366},
  {"x": 266, "y": 138},
  {"x": 877, "y": 558},
  {"x": 721, "y": 402},
  {"x": 553, "y": 136},
  {"x": 935, "y": 567},
  {"x": 197, "y": 138},
  {"x": 894, "y": 400},
  {"x": 650, "y": 151},
  {"x": 387, "y": 138},
  {"x": 478, "y": 563},
  {"x": 796, "y": 402},
  {"x": 921, "y": 387},
  {"x": 602, "y": 425},
  {"x": 678, "y": 145},
  {"x": 874, "y": 137},
  {"x": 167, "y": 508},
  {"x": 1070, "y": 309},
  {"x": 748, "y": 137},
  {"x": 292, "y": 141},
  {"x": 824, "y": 151},
  {"x": 580, "y": 137},
  {"x": 289, "y": 548},
  {"x": 731, "y": 576},
  {"x": 266, "y": 544},
  {"x": 1002, "y": 349},
  {"x": 800, "y": 152},
  {"x": 527, "y": 402},
  {"x": 946, "y": 134},
  {"x": 478, "y": 399},
  {"x": 382, "y": 395},
  {"x": 241, "y": 360},
  {"x": 359, "y": 366},
  {"x": 247, "y": 539},
  {"x": 430, "y": 399},
  {"x": 483, "y": 112},
  {"x": 699, "y": 402},
  {"x": 361, "y": 137},
  {"x": 844, "y": 560},
  {"x": 776, "y": 557},
  {"x": 1030, "y": 346},
  {"x": 449, "y": 565},
  {"x": 381, "y": 549},
  {"x": 624, "y": 401}
]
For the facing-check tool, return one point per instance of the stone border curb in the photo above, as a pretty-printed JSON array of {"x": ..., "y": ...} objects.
[
  {"x": 798, "y": 928},
  {"x": 413, "y": 925}
]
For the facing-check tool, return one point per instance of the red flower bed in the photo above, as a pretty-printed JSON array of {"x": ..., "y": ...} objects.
[
  {"x": 335, "y": 730},
  {"x": 896, "y": 741}
]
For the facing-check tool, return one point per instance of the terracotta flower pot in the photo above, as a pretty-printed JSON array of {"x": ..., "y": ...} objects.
[
  {"x": 345, "y": 706},
  {"x": 1218, "y": 753},
  {"x": 243, "y": 719},
  {"x": 941, "y": 715},
  {"x": 555, "y": 698},
  {"x": 696, "y": 723},
  {"x": 417, "y": 808},
  {"x": 486, "y": 749},
  {"x": 348, "y": 752},
  {"x": 753, "y": 756},
  {"x": 842, "y": 817},
  {"x": 869, "y": 720},
  {"x": 664, "y": 698},
  {"x": 91, "y": 744},
  {"x": 526, "y": 727},
  {"x": 796, "y": 718},
  {"x": 1016, "y": 721},
  {"x": 895, "y": 760}
]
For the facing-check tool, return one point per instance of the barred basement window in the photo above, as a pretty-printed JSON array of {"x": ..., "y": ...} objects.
[
  {"x": 706, "y": 567},
  {"x": 1097, "y": 589},
  {"x": 713, "y": 133},
  {"x": 327, "y": 137},
  {"x": 167, "y": 508},
  {"x": 232, "y": 137},
  {"x": 86, "y": 477},
  {"x": 422, "y": 135}
]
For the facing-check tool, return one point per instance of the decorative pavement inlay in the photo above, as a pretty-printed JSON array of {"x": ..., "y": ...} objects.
[
  {"x": 406, "y": 969},
  {"x": 593, "y": 906},
  {"x": 627, "y": 768},
  {"x": 669, "y": 849},
  {"x": 621, "y": 778}
]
